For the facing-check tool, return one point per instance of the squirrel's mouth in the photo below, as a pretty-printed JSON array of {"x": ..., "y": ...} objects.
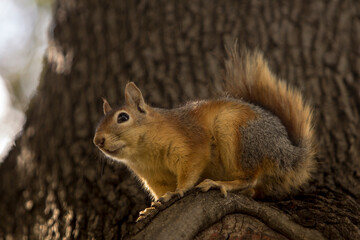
[{"x": 113, "y": 152}]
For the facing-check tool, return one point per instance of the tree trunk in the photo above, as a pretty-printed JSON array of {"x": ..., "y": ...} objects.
[{"x": 51, "y": 185}]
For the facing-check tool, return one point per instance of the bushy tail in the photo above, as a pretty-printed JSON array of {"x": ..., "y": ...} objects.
[{"x": 248, "y": 77}]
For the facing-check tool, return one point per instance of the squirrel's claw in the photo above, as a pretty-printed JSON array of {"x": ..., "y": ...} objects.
[
  {"x": 147, "y": 212},
  {"x": 155, "y": 204},
  {"x": 169, "y": 195},
  {"x": 208, "y": 183},
  {"x": 159, "y": 204},
  {"x": 246, "y": 188}
]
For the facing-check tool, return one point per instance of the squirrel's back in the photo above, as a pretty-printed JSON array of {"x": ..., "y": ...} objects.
[{"x": 248, "y": 77}]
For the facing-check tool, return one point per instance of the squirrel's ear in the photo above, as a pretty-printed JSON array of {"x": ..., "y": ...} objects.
[
  {"x": 106, "y": 106},
  {"x": 134, "y": 98}
]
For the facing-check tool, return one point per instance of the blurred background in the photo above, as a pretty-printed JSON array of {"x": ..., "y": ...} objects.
[{"x": 23, "y": 41}]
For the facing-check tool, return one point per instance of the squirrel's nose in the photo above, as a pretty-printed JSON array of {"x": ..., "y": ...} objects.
[{"x": 99, "y": 141}]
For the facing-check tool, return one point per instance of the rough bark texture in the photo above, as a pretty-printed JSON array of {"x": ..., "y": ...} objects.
[{"x": 51, "y": 185}]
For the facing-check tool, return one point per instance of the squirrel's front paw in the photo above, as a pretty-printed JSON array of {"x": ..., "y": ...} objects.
[
  {"x": 169, "y": 195},
  {"x": 147, "y": 212},
  {"x": 158, "y": 205}
]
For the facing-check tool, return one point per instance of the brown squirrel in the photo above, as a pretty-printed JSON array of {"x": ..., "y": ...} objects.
[{"x": 259, "y": 138}]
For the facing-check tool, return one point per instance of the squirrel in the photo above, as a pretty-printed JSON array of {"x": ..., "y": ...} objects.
[{"x": 257, "y": 139}]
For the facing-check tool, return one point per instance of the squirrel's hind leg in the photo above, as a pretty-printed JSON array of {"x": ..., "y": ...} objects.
[{"x": 225, "y": 186}]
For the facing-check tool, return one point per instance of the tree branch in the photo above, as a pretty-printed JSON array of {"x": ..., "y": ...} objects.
[{"x": 185, "y": 218}]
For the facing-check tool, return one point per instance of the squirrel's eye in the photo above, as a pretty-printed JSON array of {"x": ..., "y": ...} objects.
[{"x": 122, "y": 117}]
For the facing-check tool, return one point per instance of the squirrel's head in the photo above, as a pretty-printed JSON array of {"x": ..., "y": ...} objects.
[{"x": 121, "y": 129}]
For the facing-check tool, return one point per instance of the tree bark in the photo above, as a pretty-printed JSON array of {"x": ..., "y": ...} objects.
[{"x": 51, "y": 185}]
